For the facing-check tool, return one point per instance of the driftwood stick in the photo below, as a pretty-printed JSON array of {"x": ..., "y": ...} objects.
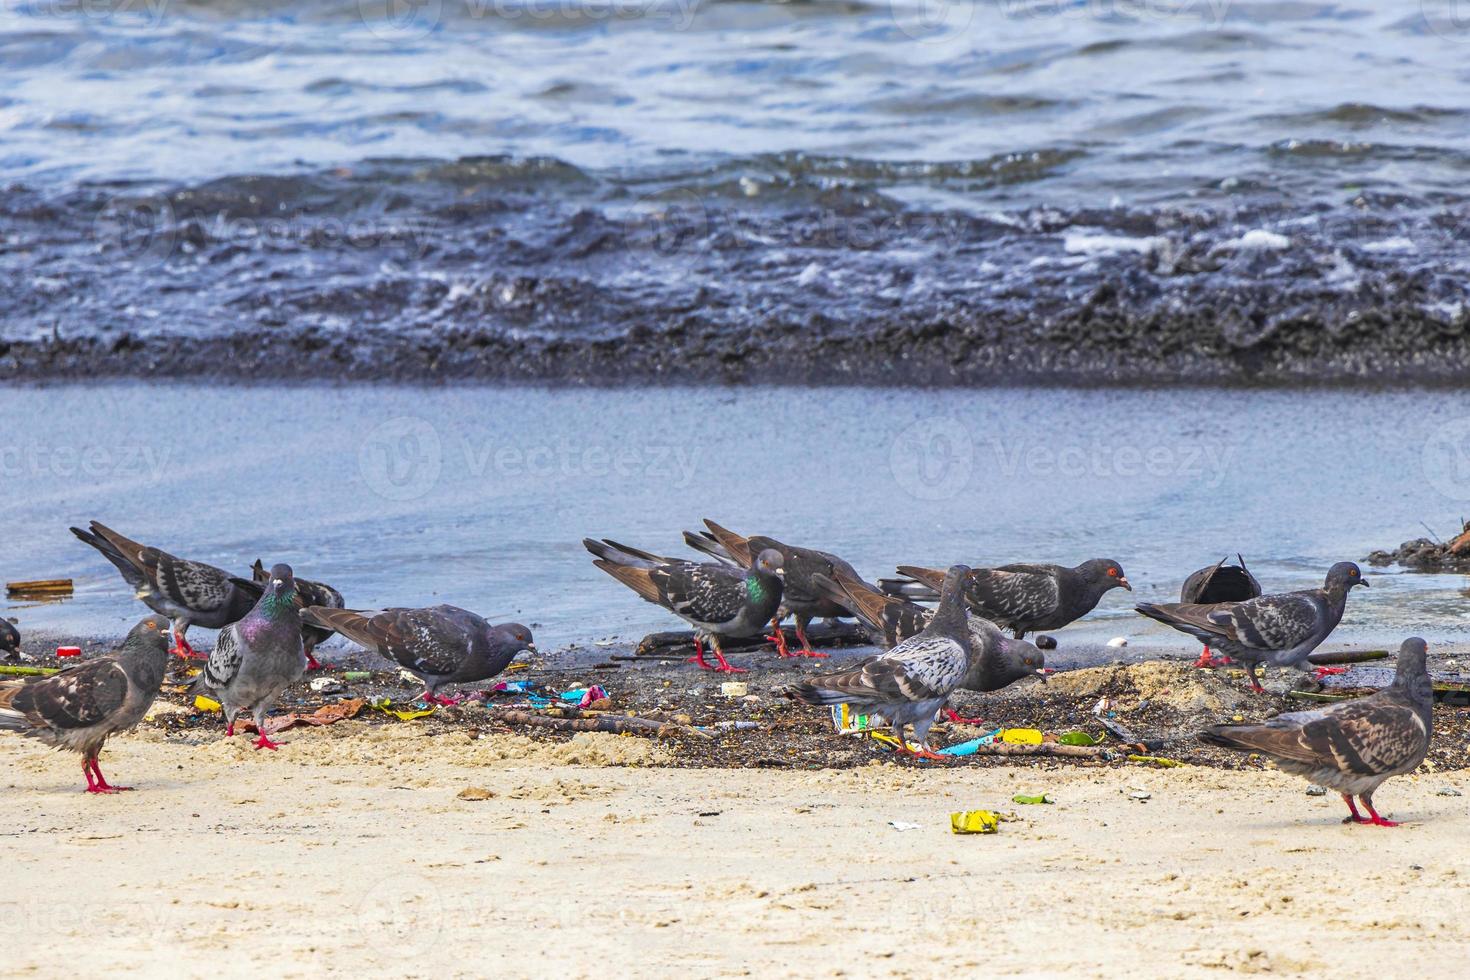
[
  {"x": 1347, "y": 657},
  {"x": 617, "y": 724},
  {"x": 681, "y": 642}
]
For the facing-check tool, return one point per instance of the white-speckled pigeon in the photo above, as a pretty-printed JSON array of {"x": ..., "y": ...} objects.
[
  {"x": 1277, "y": 629},
  {"x": 9, "y": 639},
  {"x": 1219, "y": 583},
  {"x": 189, "y": 593},
  {"x": 80, "y": 707},
  {"x": 439, "y": 645},
  {"x": 911, "y": 682},
  {"x": 258, "y": 657},
  {"x": 996, "y": 660},
  {"x": 717, "y": 599},
  {"x": 1022, "y": 598},
  {"x": 800, "y": 598},
  {"x": 308, "y": 593},
  {"x": 1351, "y": 746}
]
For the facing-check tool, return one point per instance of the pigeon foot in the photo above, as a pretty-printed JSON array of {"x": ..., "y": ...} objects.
[
  {"x": 960, "y": 719},
  {"x": 923, "y": 753},
  {"x": 720, "y": 666},
  {"x": 265, "y": 743},
  {"x": 1208, "y": 660},
  {"x": 312, "y": 664},
  {"x": 814, "y": 654},
  {"x": 777, "y": 637}
]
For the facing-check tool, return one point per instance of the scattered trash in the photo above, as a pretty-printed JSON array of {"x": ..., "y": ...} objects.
[
  {"x": 974, "y": 822},
  {"x": 848, "y": 722},
  {"x": 357, "y": 675},
  {"x": 1156, "y": 760},
  {"x": 734, "y": 689},
  {"x": 1134, "y": 793},
  {"x": 68, "y": 651},
  {"x": 203, "y": 703},
  {"x": 972, "y": 746},
  {"x": 902, "y": 825},
  {"x": 475, "y": 793},
  {"x": 326, "y": 685},
  {"x": 1031, "y": 800},
  {"x": 1079, "y": 738},
  {"x": 386, "y": 706},
  {"x": 327, "y": 714},
  {"x": 42, "y": 590},
  {"x": 1448, "y": 791},
  {"x": 514, "y": 687},
  {"x": 1022, "y": 736},
  {"x": 1315, "y": 790},
  {"x": 409, "y": 677},
  {"x": 586, "y": 696},
  {"x": 732, "y": 725},
  {"x": 28, "y": 671},
  {"x": 1118, "y": 641}
]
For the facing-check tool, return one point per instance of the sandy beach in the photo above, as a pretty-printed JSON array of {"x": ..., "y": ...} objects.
[{"x": 362, "y": 848}]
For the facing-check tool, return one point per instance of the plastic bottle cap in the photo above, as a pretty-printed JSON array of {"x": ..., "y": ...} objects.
[{"x": 68, "y": 651}]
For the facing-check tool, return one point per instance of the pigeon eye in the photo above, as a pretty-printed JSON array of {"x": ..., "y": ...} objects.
[{"x": 1113, "y": 572}]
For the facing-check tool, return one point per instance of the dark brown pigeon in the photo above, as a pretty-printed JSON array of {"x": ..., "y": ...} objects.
[
  {"x": 799, "y": 597},
  {"x": 996, "y": 660},
  {"x": 308, "y": 593},
  {"x": 80, "y": 707},
  {"x": 1219, "y": 583},
  {"x": 189, "y": 593},
  {"x": 1277, "y": 629},
  {"x": 1351, "y": 746},
  {"x": 439, "y": 645},
  {"x": 1022, "y": 598},
  {"x": 717, "y": 599},
  {"x": 910, "y": 683}
]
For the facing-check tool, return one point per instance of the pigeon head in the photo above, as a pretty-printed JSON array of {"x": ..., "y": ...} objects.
[
  {"x": 516, "y": 635},
  {"x": 1413, "y": 653},
  {"x": 770, "y": 562},
  {"x": 1105, "y": 573},
  {"x": 150, "y": 630},
  {"x": 1023, "y": 659},
  {"x": 1344, "y": 575},
  {"x": 280, "y": 588}
]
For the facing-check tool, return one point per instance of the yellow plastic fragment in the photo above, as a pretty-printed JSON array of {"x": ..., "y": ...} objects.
[
  {"x": 1021, "y": 736},
  {"x": 386, "y": 707},
  {"x": 974, "y": 822},
  {"x": 203, "y": 703}
]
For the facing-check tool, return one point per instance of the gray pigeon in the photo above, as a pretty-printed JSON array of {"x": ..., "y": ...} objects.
[
  {"x": 1022, "y": 598},
  {"x": 1351, "y": 746},
  {"x": 799, "y": 597},
  {"x": 438, "y": 645},
  {"x": 1277, "y": 629},
  {"x": 996, "y": 660},
  {"x": 1219, "y": 583},
  {"x": 911, "y": 682},
  {"x": 9, "y": 639},
  {"x": 80, "y": 707},
  {"x": 717, "y": 599},
  {"x": 189, "y": 593},
  {"x": 308, "y": 593},
  {"x": 257, "y": 658}
]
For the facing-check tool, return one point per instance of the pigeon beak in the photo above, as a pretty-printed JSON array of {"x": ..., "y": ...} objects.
[
  {"x": 277, "y": 582},
  {"x": 532, "y": 648},
  {"x": 1124, "y": 583},
  {"x": 1363, "y": 582},
  {"x": 1044, "y": 673}
]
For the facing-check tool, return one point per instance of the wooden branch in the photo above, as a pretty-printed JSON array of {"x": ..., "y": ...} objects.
[
  {"x": 616, "y": 724},
  {"x": 1346, "y": 657},
  {"x": 681, "y": 642}
]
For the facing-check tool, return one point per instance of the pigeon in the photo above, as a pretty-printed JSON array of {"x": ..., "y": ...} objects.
[
  {"x": 439, "y": 645},
  {"x": 9, "y": 639},
  {"x": 717, "y": 599},
  {"x": 996, "y": 660},
  {"x": 308, "y": 593},
  {"x": 189, "y": 593},
  {"x": 1350, "y": 746},
  {"x": 78, "y": 708},
  {"x": 258, "y": 657},
  {"x": 1219, "y": 583},
  {"x": 908, "y": 684},
  {"x": 799, "y": 597},
  {"x": 1279, "y": 629},
  {"x": 1022, "y": 598}
]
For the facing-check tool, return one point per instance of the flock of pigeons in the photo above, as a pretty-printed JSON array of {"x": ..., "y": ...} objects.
[{"x": 270, "y": 622}]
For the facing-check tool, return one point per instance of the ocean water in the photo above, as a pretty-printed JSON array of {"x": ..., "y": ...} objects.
[{"x": 480, "y": 496}]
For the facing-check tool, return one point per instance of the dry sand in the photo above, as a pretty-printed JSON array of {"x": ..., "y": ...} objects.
[{"x": 351, "y": 850}]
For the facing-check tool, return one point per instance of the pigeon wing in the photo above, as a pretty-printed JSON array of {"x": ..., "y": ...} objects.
[
  {"x": 1274, "y": 622},
  {"x": 77, "y": 698},
  {"x": 702, "y": 593},
  {"x": 225, "y": 659},
  {"x": 1017, "y": 592},
  {"x": 190, "y": 584}
]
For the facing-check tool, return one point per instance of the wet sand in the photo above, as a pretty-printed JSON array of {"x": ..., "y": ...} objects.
[{"x": 352, "y": 850}]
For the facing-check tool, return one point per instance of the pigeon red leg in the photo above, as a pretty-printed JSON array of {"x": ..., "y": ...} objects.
[
  {"x": 182, "y": 649},
  {"x": 723, "y": 665},
  {"x": 311, "y": 662},
  {"x": 102, "y": 783},
  {"x": 230, "y": 730},
  {"x": 806, "y": 645},
  {"x": 1250, "y": 672},
  {"x": 264, "y": 742},
  {"x": 960, "y": 719},
  {"x": 779, "y": 638},
  {"x": 1353, "y": 815},
  {"x": 1376, "y": 820},
  {"x": 95, "y": 782},
  {"x": 698, "y": 657},
  {"x": 1208, "y": 659}
]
